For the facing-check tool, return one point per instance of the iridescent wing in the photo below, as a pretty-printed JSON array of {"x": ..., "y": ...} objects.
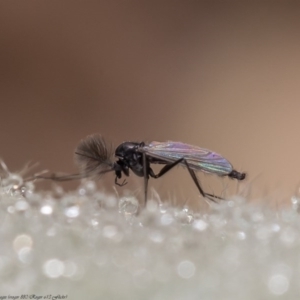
[{"x": 197, "y": 158}]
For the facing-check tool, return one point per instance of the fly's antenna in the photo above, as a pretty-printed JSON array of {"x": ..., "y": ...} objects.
[
  {"x": 59, "y": 177},
  {"x": 94, "y": 156}
]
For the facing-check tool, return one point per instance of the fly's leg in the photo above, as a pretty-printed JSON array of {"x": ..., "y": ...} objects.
[
  {"x": 146, "y": 176},
  {"x": 120, "y": 184},
  {"x": 196, "y": 181},
  {"x": 168, "y": 167}
]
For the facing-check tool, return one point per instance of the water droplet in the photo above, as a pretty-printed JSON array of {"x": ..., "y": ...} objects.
[
  {"x": 295, "y": 203},
  {"x": 156, "y": 236},
  {"x": 11, "y": 209},
  {"x": 275, "y": 227},
  {"x": 94, "y": 222},
  {"x": 21, "y": 241},
  {"x": 295, "y": 200},
  {"x": 128, "y": 205},
  {"x": 200, "y": 225},
  {"x": 186, "y": 269},
  {"x": 185, "y": 216},
  {"x": 163, "y": 208},
  {"x": 12, "y": 181},
  {"x": 88, "y": 187},
  {"x": 21, "y": 205},
  {"x": 241, "y": 235},
  {"x": 166, "y": 219},
  {"x": 25, "y": 255},
  {"x": 46, "y": 209},
  {"x": 109, "y": 201},
  {"x": 278, "y": 284},
  {"x": 53, "y": 268},
  {"x": 109, "y": 231},
  {"x": 72, "y": 211}
]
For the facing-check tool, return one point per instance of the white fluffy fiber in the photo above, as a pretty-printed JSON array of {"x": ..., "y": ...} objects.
[{"x": 91, "y": 245}]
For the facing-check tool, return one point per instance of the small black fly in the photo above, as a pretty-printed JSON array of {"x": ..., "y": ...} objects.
[{"x": 95, "y": 158}]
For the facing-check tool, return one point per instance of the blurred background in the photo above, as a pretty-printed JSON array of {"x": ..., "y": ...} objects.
[{"x": 223, "y": 75}]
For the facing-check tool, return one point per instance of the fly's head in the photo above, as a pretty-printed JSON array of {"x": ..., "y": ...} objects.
[{"x": 129, "y": 158}]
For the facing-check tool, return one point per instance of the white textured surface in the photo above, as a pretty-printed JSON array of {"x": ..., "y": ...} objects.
[{"x": 90, "y": 245}]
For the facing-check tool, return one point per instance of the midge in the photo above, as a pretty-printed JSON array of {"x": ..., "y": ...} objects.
[{"x": 95, "y": 158}]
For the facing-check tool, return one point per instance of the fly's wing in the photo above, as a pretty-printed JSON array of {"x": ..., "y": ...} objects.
[{"x": 197, "y": 158}]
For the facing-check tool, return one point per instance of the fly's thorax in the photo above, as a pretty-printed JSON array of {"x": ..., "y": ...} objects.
[{"x": 126, "y": 149}]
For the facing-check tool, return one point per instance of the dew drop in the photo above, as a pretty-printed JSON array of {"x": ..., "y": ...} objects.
[
  {"x": 278, "y": 284},
  {"x": 186, "y": 269},
  {"x": 46, "y": 210},
  {"x": 72, "y": 211},
  {"x": 21, "y": 205},
  {"x": 53, "y": 268},
  {"x": 128, "y": 205}
]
